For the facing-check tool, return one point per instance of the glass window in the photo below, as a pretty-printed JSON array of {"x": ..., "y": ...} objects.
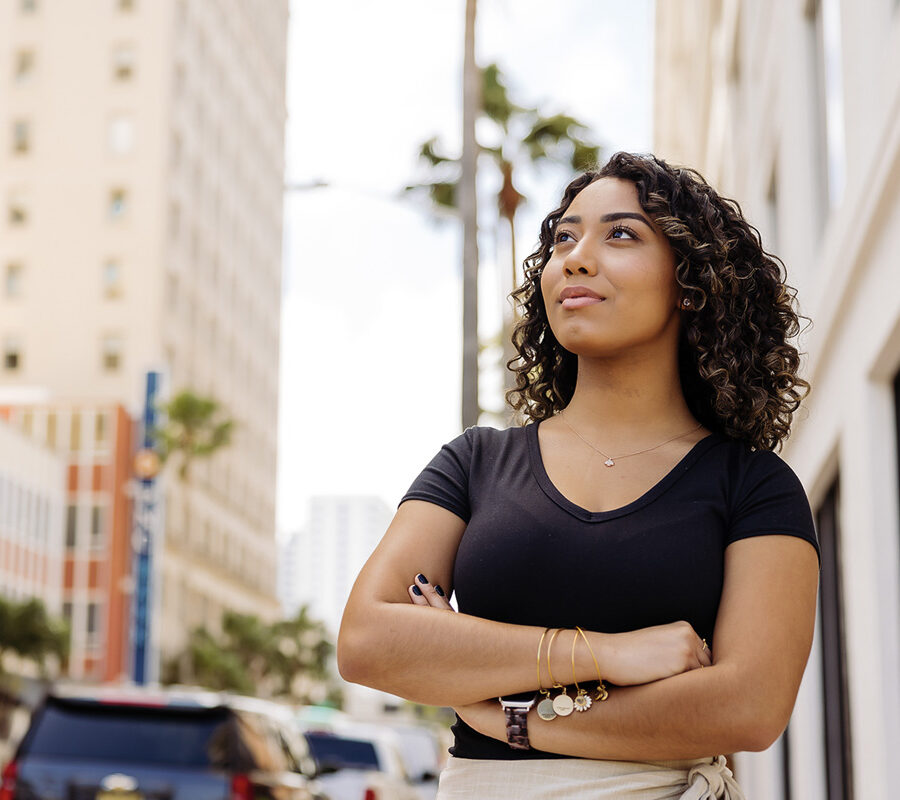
[
  {"x": 123, "y": 63},
  {"x": 121, "y": 134},
  {"x": 23, "y": 67},
  {"x": 118, "y": 203},
  {"x": 93, "y": 622},
  {"x": 75, "y": 432},
  {"x": 112, "y": 278},
  {"x": 126, "y": 5},
  {"x": 17, "y": 208},
  {"x": 28, "y": 6},
  {"x": 13, "y": 281},
  {"x": 21, "y": 143},
  {"x": 100, "y": 428},
  {"x": 71, "y": 526},
  {"x": 112, "y": 352},
  {"x": 12, "y": 353},
  {"x": 51, "y": 429},
  {"x": 97, "y": 527}
]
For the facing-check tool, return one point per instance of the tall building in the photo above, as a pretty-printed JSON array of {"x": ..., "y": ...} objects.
[
  {"x": 141, "y": 174},
  {"x": 94, "y": 443},
  {"x": 793, "y": 109},
  {"x": 320, "y": 562}
]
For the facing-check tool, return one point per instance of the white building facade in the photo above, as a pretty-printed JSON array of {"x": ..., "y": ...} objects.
[
  {"x": 793, "y": 109},
  {"x": 141, "y": 183},
  {"x": 320, "y": 562}
]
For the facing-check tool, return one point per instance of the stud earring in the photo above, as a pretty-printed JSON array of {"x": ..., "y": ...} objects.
[{"x": 686, "y": 302}]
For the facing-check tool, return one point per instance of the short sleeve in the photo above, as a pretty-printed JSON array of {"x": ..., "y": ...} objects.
[
  {"x": 445, "y": 481},
  {"x": 770, "y": 500}
]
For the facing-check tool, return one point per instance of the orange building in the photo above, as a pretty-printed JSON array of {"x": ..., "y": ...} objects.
[{"x": 96, "y": 443}]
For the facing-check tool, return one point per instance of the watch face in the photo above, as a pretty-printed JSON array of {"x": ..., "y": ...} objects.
[{"x": 521, "y": 699}]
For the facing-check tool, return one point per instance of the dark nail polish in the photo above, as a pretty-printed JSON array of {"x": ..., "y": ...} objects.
[
  {"x": 439, "y": 590},
  {"x": 417, "y": 591},
  {"x": 421, "y": 578}
]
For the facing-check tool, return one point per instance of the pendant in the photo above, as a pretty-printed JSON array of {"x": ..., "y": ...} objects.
[
  {"x": 602, "y": 694},
  {"x": 609, "y": 462},
  {"x": 545, "y": 710},
  {"x": 563, "y": 705},
  {"x": 582, "y": 700}
]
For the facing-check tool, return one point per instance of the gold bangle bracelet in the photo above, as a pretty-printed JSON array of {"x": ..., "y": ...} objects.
[
  {"x": 602, "y": 694},
  {"x": 541, "y": 688},
  {"x": 553, "y": 682}
]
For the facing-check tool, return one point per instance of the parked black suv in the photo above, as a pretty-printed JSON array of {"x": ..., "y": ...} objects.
[{"x": 158, "y": 745}]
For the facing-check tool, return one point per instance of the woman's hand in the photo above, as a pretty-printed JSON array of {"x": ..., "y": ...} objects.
[
  {"x": 650, "y": 654},
  {"x": 422, "y": 593}
]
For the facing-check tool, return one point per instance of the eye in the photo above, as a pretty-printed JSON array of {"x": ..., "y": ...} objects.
[
  {"x": 622, "y": 232},
  {"x": 563, "y": 236}
]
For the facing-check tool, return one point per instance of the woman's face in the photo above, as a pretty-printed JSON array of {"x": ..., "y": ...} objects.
[{"x": 609, "y": 286}]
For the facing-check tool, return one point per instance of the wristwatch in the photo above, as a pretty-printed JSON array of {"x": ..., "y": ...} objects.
[{"x": 516, "y": 708}]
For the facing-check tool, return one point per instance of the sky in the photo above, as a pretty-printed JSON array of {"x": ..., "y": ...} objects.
[{"x": 371, "y": 312}]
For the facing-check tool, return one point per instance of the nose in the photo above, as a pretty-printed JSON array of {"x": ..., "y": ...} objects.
[{"x": 579, "y": 261}]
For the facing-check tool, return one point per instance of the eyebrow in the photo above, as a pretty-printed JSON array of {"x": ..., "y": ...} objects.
[{"x": 613, "y": 217}]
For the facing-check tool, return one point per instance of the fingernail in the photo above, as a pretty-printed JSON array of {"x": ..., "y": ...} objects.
[
  {"x": 421, "y": 578},
  {"x": 417, "y": 591},
  {"x": 439, "y": 590}
]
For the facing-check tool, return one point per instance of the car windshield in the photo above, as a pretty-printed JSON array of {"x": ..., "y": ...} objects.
[
  {"x": 190, "y": 737},
  {"x": 340, "y": 753}
]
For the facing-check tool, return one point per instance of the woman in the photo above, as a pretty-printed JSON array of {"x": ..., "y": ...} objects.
[{"x": 640, "y": 526}]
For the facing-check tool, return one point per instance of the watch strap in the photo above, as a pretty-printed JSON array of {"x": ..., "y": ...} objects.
[{"x": 517, "y": 727}]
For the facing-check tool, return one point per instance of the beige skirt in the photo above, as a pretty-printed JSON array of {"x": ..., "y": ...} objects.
[{"x": 586, "y": 779}]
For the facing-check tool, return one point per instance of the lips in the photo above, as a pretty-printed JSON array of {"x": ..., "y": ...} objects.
[{"x": 578, "y": 297}]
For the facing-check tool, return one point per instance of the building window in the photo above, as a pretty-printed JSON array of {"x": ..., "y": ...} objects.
[
  {"x": 71, "y": 526},
  {"x": 118, "y": 203},
  {"x": 17, "y": 208},
  {"x": 112, "y": 353},
  {"x": 23, "y": 68},
  {"x": 13, "y": 279},
  {"x": 835, "y": 697},
  {"x": 112, "y": 279},
  {"x": 75, "y": 433},
  {"x": 21, "y": 143},
  {"x": 12, "y": 354},
  {"x": 126, "y": 5},
  {"x": 51, "y": 429},
  {"x": 93, "y": 624},
  {"x": 123, "y": 63},
  {"x": 98, "y": 528},
  {"x": 101, "y": 428},
  {"x": 28, "y": 6},
  {"x": 120, "y": 136},
  {"x": 824, "y": 17}
]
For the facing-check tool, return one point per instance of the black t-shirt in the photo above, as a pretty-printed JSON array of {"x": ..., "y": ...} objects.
[{"x": 529, "y": 556}]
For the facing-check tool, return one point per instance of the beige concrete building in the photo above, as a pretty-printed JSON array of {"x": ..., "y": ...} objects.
[
  {"x": 793, "y": 109},
  {"x": 141, "y": 156}
]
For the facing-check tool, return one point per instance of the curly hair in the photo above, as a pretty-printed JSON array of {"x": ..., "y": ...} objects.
[{"x": 738, "y": 370}]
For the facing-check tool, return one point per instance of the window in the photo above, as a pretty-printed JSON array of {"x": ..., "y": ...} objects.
[
  {"x": 120, "y": 136},
  {"x": 67, "y": 612},
  {"x": 23, "y": 67},
  {"x": 13, "y": 279},
  {"x": 100, "y": 429},
  {"x": 93, "y": 623},
  {"x": 835, "y": 697},
  {"x": 824, "y": 18},
  {"x": 118, "y": 203},
  {"x": 21, "y": 144},
  {"x": 28, "y": 6},
  {"x": 98, "y": 527},
  {"x": 12, "y": 354},
  {"x": 75, "y": 432},
  {"x": 123, "y": 63},
  {"x": 51, "y": 429},
  {"x": 112, "y": 279},
  {"x": 71, "y": 526},
  {"x": 126, "y": 5},
  {"x": 17, "y": 208},
  {"x": 112, "y": 353}
]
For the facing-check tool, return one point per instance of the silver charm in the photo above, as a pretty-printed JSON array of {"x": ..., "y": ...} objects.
[
  {"x": 545, "y": 710},
  {"x": 609, "y": 462},
  {"x": 563, "y": 705}
]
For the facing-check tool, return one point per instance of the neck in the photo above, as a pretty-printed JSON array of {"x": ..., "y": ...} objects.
[{"x": 628, "y": 398}]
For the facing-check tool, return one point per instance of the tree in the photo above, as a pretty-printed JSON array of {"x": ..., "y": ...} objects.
[
  {"x": 288, "y": 658},
  {"x": 193, "y": 429},
  {"x": 28, "y": 631},
  {"x": 518, "y": 135}
]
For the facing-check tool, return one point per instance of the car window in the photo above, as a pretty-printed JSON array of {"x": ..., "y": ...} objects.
[
  {"x": 94, "y": 731},
  {"x": 340, "y": 753}
]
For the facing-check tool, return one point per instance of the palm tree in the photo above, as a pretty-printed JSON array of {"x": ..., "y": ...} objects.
[
  {"x": 193, "y": 429},
  {"x": 521, "y": 135}
]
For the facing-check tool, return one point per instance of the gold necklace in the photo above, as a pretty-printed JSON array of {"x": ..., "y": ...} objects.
[{"x": 610, "y": 460}]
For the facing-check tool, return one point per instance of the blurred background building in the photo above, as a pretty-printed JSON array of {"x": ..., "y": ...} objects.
[
  {"x": 141, "y": 174},
  {"x": 320, "y": 562},
  {"x": 793, "y": 109}
]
